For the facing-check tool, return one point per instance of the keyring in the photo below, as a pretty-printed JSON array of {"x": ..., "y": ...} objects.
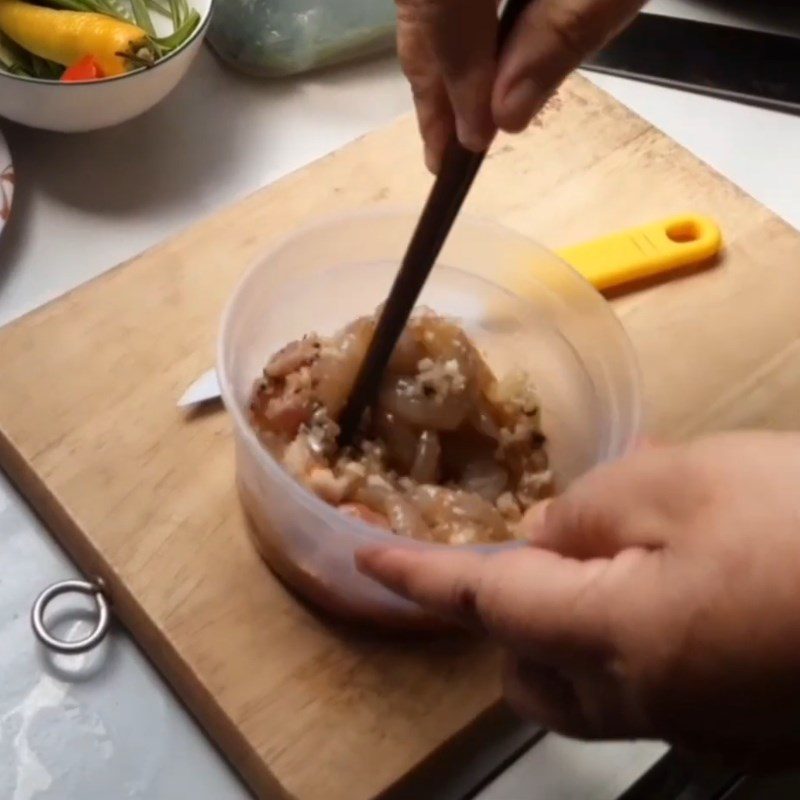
[{"x": 93, "y": 589}]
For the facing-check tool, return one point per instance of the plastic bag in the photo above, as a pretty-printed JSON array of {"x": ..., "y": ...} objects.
[{"x": 284, "y": 37}]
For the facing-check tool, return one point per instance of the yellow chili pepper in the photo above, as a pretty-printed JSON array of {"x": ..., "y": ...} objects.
[{"x": 68, "y": 36}]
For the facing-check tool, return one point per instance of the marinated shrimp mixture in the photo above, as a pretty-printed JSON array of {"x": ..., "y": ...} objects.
[{"x": 447, "y": 454}]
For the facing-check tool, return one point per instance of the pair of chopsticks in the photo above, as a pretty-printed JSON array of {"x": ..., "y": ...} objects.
[{"x": 458, "y": 171}]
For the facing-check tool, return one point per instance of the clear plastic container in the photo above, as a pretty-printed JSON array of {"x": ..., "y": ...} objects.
[{"x": 521, "y": 304}]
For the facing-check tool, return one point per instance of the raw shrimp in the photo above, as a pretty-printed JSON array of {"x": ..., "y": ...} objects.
[{"x": 446, "y": 454}]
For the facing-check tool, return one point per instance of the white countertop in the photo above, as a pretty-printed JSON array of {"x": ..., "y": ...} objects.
[{"x": 104, "y": 726}]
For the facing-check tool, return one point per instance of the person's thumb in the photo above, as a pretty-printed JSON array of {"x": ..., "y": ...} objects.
[
  {"x": 612, "y": 508},
  {"x": 550, "y": 40}
]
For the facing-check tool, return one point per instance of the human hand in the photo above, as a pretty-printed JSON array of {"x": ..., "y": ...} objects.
[
  {"x": 447, "y": 50},
  {"x": 660, "y": 598}
]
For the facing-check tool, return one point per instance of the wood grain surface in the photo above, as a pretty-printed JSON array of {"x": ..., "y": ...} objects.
[{"x": 144, "y": 496}]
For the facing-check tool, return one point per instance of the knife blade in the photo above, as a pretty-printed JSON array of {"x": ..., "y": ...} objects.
[{"x": 203, "y": 390}]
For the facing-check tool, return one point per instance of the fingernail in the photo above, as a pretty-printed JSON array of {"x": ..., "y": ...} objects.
[
  {"x": 384, "y": 565},
  {"x": 470, "y": 138},
  {"x": 539, "y": 512},
  {"x": 368, "y": 559},
  {"x": 431, "y": 161},
  {"x": 520, "y": 103},
  {"x": 534, "y": 521}
]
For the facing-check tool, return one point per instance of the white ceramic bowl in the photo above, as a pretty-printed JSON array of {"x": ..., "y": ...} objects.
[{"x": 76, "y": 107}]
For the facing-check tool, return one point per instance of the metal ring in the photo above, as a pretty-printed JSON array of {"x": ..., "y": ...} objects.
[{"x": 97, "y": 635}]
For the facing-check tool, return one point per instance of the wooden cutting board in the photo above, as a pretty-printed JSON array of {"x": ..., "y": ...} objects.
[{"x": 143, "y": 496}]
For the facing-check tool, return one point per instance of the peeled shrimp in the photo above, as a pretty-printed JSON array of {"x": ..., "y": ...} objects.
[
  {"x": 401, "y": 440},
  {"x": 280, "y": 409},
  {"x": 425, "y": 468},
  {"x": 404, "y": 518},
  {"x": 292, "y": 357},
  {"x": 444, "y": 340},
  {"x": 485, "y": 477},
  {"x": 400, "y": 397},
  {"x": 408, "y": 352},
  {"x": 334, "y": 372},
  {"x": 447, "y": 453},
  {"x": 458, "y": 517},
  {"x": 365, "y": 514}
]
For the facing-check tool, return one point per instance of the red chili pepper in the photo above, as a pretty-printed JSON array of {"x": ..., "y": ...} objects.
[{"x": 87, "y": 69}]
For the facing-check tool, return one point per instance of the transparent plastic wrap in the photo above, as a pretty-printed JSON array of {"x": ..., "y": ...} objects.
[{"x": 285, "y": 37}]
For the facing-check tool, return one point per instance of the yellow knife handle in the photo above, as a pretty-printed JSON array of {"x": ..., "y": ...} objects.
[{"x": 646, "y": 251}]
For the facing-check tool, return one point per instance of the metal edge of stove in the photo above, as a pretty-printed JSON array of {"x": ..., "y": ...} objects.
[
  {"x": 463, "y": 766},
  {"x": 674, "y": 777},
  {"x": 738, "y": 97}
]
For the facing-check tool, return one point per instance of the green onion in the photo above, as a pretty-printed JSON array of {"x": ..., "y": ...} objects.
[
  {"x": 158, "y": 7},
  {"x": 110, "y": 8},
  {"x": 72, "y": 5},
  {"x": 179, "y": 37},
  {"x": 175, "y": 13},
  {"x": 114, "y": 8},
  {"x": 157, "y": 50},
  {"x": 13, "y": 58},
  {"x": 12, "y": 67},
  {"x": 142, "y": 17},
  {"x": 46, "y": 70},
  {"x": 17, "y": 61}
]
